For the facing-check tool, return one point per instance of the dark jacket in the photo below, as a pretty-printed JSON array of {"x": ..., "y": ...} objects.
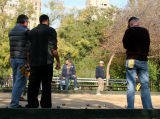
[
  {"x": 100, "y": 72},
  {"x": 18, "y": 42},
  {"x": 137, "y": 42},
  {"x": 43, "y": 40},
  {"x": 72, "y": 70}
]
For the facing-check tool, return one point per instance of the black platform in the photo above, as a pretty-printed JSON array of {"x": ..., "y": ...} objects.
[{"x": 78, "y": 114}]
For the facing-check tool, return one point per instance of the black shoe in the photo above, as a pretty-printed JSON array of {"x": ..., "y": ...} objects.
[
  {"x": 29, "y": 106},
  {"x": 19, "y": 106}
]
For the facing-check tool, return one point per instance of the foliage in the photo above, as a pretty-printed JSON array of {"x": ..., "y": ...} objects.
[
  {"x": 55, "y": 9},
  {"x": 83, "y": 31},
  {"x": 117, "y": 70},
  {"x": 149, "y": 18},
  {"x": 154, "y": 75},
  {"x": 89, "y": 35},
  {"x": 6, "y": 24}
]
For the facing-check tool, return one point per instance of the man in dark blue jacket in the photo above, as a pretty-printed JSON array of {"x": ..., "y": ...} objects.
[
  {"x": 69, "y": 72},
  {"x": 100, "y": 77},
  {"x": 18, "y": 56}
]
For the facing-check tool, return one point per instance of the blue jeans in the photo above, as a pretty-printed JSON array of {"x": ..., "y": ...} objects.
[
  {"x": 18, "y": 81},
  {"x": 67, "y": 81},
  {"x": 141, "y": 69},
  {"x": 62, "y": 82}
]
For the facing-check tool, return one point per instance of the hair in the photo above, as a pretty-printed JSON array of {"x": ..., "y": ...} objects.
[
  {"x": 43, "y": 18},
  {"x": 22, "y": 18},
  {"x": 68, "y": 60},
  {"x": 132, "y": 19}
]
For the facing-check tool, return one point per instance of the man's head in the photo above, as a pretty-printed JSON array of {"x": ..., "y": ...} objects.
[
  {"x": 101, "y": 63},
  {"x": 133, "y": 21},
  {"x": 68, "y": 61},
  {"x": 44, "y": 19},
  {"x": 22, "y": 19}
]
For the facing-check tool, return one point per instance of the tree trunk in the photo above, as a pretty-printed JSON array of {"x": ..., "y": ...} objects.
[{"x": 108, "y": 68}]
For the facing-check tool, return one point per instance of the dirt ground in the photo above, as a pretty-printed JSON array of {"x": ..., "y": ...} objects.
[{"x": 89, "y": 101}]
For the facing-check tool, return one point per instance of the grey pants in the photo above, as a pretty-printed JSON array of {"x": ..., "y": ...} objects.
[{"x": 100, "y": 85}]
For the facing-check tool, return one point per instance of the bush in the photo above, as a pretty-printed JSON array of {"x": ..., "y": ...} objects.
[{"x": 154, "y": 75}]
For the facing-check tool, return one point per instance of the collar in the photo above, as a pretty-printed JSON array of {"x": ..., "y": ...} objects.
[
  {"x": 18, "y": 24},
  {"x": 44, "y": 24},
  {"x": 136, "y": 25}
]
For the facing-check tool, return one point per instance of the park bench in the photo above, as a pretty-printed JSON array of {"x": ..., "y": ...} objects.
[
  {"x": 92, "y": 83},
  {"x": 117, "y": 84}
]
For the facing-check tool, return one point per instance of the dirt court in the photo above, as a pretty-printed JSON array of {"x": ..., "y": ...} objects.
[{"x": 89, "y": 101}]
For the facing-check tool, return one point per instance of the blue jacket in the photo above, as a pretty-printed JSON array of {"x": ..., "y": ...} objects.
[
  {"x": 18, "y": 42},
  {"x": 72, "y": 70},
  {"x": 100, "y": 72}
]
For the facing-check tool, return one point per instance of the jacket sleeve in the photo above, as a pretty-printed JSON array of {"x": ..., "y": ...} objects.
[
  {"x": 52, "y": 39},
  {"x": 28, "y": 45},
  {"x": 74, "y": 70},
  {"x": 97, "y": 72},
  {"x": 125, "y": 39},
  {"x": 63, "y": 71},
  {"x": 147, "y": 41}
]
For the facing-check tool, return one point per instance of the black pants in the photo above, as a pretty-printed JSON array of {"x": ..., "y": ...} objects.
[{"x": 40, "y": 74}]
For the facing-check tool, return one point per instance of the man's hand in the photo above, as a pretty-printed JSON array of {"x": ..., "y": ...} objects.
[
  {"x": 29, "y": 66},
  {"x": 28, "y": 58},
  {"x": 74, "y": 76},
  {"x": 58, "y": 66},
  {"x": 55, "y": 53}
]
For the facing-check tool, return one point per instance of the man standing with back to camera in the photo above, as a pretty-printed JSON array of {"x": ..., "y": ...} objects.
[
  {"x": 43, "y": 49},
  {"x": 18, "y": 56},
  {"x": 136, "y": 41}
]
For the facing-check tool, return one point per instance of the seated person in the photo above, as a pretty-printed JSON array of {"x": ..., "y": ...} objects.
[
  {"x": 62, "y": 82},
  {"x": 69, "y": 72}
]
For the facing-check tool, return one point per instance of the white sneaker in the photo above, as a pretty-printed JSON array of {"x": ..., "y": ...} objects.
[
  {"x": 98, "y": 94},
  {"x": 75, "y": 88}
]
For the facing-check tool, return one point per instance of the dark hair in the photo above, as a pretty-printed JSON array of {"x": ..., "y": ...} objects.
[
  {"x": 133, "y": 18},
  {"x": 68, "y": 60},
  {"x": 22, "y": 18},
  {"x": 43, "y": 18}
]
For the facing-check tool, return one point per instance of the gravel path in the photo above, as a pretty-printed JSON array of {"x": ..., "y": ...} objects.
[{"x": 90, "y": 101}]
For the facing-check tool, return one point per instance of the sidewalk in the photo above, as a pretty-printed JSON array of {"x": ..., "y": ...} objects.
[{"x": 89, "y": 101}]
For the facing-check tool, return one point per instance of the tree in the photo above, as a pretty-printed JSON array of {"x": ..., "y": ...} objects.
[
  {"x": 148, "y": 12},
  {"x": 6, "y": 23},
  {"x": 56, "y": 10},
  {"x": 84, "y": 32},
  {"x": 25, "y": 7}
]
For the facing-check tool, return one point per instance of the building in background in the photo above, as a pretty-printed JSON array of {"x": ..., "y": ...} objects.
[
  {"x": 12, "y": 6},
  {"x": 35, "y": 17},
  {"x": 97, "y": 3}
]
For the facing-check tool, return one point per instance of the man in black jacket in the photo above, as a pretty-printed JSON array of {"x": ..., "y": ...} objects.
[
  {"x": 18, "y": 56},
  {"x": 100, "y": 77},
  {"x": 43, "y": 49},
  {"x": 136, "y": 41}
]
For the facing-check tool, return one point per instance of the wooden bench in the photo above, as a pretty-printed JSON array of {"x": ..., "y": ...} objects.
[{"x": 92, "y": 83}]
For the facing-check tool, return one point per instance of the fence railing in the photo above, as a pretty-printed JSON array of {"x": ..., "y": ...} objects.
[
  {"x": 92, "y": 83},
  {"x": 8, "y": 82}
]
